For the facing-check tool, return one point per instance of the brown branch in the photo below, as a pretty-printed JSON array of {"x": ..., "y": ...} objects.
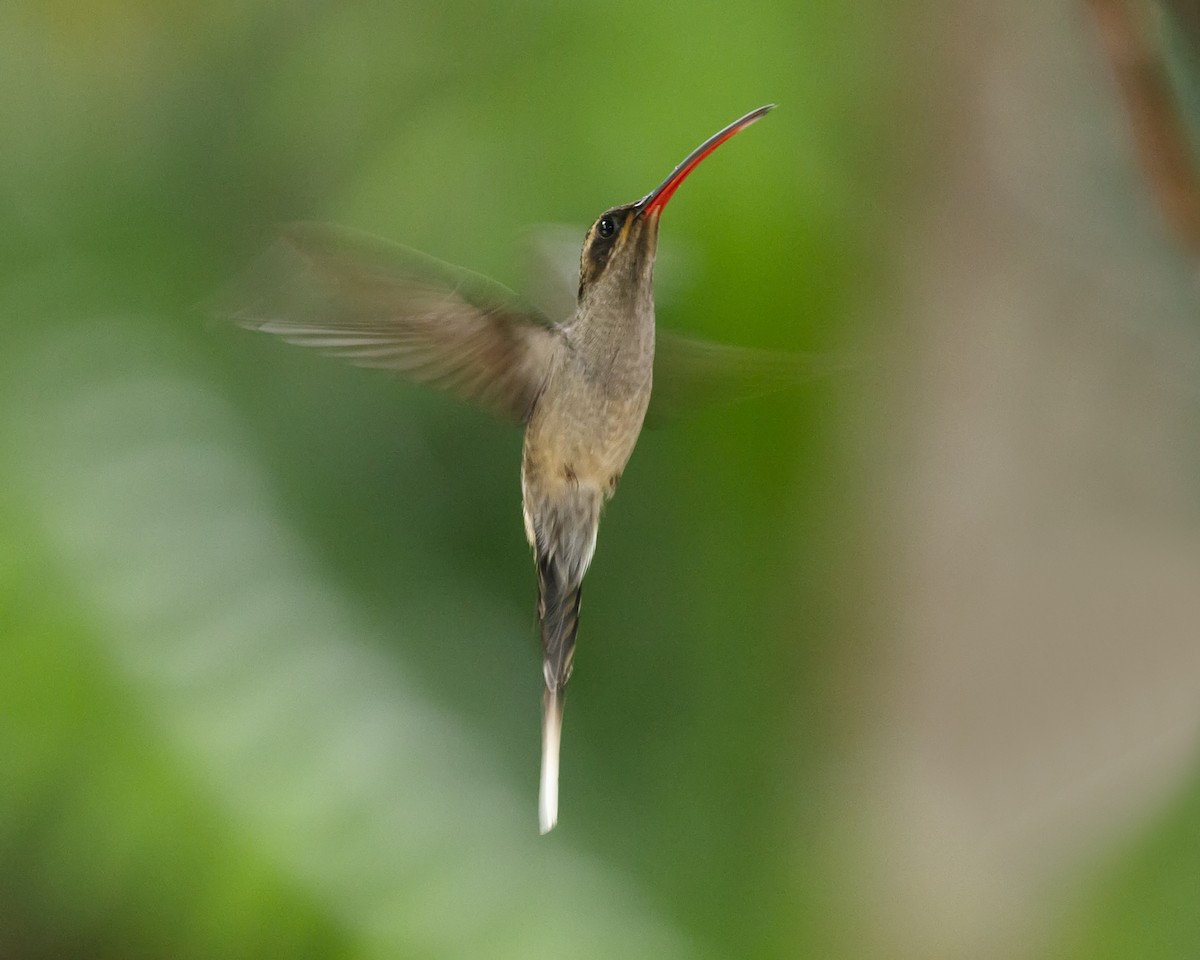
[{"x": 1159, "y": 134}]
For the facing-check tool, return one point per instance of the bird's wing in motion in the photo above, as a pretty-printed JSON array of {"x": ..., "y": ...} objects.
[
  {"x": 691, "y": 374},
  {"x": 378, "y": 304},
  {"x": 550, "y": 254}
]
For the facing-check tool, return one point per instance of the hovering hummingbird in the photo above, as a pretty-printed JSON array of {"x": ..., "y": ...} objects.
[{"x": 580, "y": 386}]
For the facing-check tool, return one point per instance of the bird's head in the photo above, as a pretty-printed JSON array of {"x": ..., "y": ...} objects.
[{"x": 617, "y": 262}]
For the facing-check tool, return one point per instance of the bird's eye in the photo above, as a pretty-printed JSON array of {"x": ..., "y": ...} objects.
[{"x": 607, "y": 227}]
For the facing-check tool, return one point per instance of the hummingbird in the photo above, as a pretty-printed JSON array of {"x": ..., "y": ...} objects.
[{"x": 581, "y": 385}]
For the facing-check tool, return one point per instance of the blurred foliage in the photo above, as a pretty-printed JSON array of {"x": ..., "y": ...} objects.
[
  {"x": 1147, "y": 907},
  {"x": 268, "y": 670}
]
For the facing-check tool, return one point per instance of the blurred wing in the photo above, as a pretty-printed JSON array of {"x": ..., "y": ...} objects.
[
  {"x": 691, "y": 374},
  {"x": 378, "y": 304},
  {"x": 552, "y": 268}
]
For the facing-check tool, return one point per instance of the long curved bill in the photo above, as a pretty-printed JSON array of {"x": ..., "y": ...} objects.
[{"x": 652, "y": 204}]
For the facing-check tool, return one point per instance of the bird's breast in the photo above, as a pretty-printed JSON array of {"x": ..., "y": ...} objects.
[{"x": 583, "y": 429}]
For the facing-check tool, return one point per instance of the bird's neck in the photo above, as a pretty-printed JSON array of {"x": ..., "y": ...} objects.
[{"x": 615, "y": 333}]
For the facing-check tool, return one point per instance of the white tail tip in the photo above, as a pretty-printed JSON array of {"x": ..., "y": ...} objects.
[{"x": 551, "y": 738}]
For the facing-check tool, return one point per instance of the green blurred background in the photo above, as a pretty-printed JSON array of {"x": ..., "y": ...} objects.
[{"x": 900, "y": 664}]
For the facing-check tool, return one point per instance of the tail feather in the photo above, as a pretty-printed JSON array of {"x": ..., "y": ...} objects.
[
  {"x": 552, "y": 705},
  {"x": 558, "y": 611}
]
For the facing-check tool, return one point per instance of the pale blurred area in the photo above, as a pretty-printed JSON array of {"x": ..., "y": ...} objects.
[
  {"x": 1039, "y": 698},
  {"x": 903, "y": 664}
]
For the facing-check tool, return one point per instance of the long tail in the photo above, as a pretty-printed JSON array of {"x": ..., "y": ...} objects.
[
  {"x": 558, "y": 611},
  {"x": 552, "y": 711}
]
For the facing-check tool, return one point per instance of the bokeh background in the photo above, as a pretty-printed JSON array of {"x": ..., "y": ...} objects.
[{"x": 901, "y": 664}]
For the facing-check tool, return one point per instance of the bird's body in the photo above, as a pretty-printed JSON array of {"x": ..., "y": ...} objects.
[
  {"x": 580, "y": 436},
  {"x": 578, "y": 440},
  {"x": 587, "y": 418},
  {"x": 581, "y": 386}
]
